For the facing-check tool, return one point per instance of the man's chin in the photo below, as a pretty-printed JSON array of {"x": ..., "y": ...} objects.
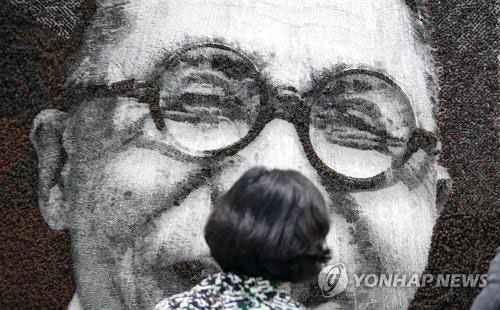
[
  {"x": 144, "y": 292},
  {"x": 143, "y": 283},
  {"x": 309, "y": 294}
]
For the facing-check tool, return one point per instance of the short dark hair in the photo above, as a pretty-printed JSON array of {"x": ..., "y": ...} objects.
[{"x": 270, "y": 224}]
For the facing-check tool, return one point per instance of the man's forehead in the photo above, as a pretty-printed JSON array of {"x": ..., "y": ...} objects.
[
  {"x": 294, "y": 35},
  {"x": 293, "y": 38}
]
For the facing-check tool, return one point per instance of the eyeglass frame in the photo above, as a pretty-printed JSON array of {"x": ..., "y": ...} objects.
[{"x": 293, "y": 106}]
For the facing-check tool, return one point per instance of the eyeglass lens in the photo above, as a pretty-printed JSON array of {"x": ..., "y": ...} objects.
[{"x": 359, "y": 123}]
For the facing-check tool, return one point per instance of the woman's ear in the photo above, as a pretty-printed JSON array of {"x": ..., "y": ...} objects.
[{"x": 46, "y": 137}]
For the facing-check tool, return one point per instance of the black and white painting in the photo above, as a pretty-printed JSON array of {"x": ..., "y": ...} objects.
[{"x": 170, "y": 101}]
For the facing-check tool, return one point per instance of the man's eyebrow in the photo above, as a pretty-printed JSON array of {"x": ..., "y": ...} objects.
[
  {"x": 213, "y": 57},
  {"x": 328, "y": 74},
  {"x": 232, "y": 62},
  {"x": 322, "y": 76}
]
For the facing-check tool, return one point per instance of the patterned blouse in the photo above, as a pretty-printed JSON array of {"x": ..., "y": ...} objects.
[{"x": 230, "y": 291}]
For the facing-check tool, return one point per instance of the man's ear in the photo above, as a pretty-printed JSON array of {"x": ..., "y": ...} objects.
[
  {"x": 444, "y": 187},
  {"x": 46, "y": 137}
]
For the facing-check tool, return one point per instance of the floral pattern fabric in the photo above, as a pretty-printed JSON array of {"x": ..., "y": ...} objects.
[{"x": 231, "y": 291}]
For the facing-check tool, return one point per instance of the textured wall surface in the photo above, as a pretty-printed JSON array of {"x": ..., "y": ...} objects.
[
  {"x": 465, "y": 36},
  {"x": 35, "y": 269}
]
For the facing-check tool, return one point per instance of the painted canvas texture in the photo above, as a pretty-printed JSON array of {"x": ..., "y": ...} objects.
[{"x": 139, "y": 114}]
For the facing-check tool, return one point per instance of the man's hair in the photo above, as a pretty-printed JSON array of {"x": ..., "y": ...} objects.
[{"x": 270, "y": 224}]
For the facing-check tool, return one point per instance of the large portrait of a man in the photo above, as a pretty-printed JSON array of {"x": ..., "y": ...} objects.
[{"x": 168, "y": 102}]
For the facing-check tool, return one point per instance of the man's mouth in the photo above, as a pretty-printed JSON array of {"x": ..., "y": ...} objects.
[
  {"x": 194, "y": 271},
  {"x": 187, "y": 273}
]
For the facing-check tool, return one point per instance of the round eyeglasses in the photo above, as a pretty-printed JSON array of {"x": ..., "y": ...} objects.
[{"x": 210, "y": 101}]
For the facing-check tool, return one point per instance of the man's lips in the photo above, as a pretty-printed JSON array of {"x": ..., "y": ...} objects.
[
  {"x": 188, "y": 272},
  {"x": 194, "y": 270}
]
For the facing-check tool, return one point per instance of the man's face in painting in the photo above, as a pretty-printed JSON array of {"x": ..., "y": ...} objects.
[{"x": 135, "y": 196}]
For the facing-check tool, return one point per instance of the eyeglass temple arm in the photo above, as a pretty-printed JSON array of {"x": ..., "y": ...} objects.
[
  {"x": 143, "y": 91},
  {"x": 422, "y": 139}
]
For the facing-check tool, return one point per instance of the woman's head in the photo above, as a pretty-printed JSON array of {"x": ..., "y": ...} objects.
[{"x": 270, "y": 223}]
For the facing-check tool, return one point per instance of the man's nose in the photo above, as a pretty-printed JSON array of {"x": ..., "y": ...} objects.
[{"x": 277, "y": 146}]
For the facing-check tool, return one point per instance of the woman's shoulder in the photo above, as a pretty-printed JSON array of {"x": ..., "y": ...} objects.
[
  {"x": 230, "y": 291},
  {"x": 201, "y": 296}
]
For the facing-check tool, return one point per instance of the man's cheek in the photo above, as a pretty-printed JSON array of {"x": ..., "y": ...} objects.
[
  {"x": 400, "y": 223},
  {"x": 178, "y": 234},
  {"x": 101, "y": 126},
  {"x": 128, "y": 112},
  {"x": 123, "y": 191}
]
